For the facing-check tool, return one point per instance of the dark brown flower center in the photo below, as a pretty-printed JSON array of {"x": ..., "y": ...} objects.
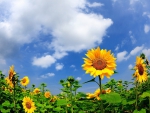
[
  {"x": 99, "y": 64},
  {"x": 28, "y": 105},
  {"x": 24, "y": 80},
  {"x": 140, "y": 69}
]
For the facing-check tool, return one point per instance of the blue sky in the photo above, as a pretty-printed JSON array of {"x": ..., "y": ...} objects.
[{"x": 46, "y": 40}]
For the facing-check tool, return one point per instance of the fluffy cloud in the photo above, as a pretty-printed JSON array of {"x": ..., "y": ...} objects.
[
  {"x": 130, "y": 66},
  {"x": 146, "y": 28},
  {"x": 59, "y": 66},
  {"x": 146, "y": 52},
  {"x": 122, "y": 56},
  {"x": 44, "y": 61},
  {"x": 78, "y": 78},
  {"x": 47, "y": 75},
  {"x": 95, "y": 4},
  {"x": 70, "y": 27}
]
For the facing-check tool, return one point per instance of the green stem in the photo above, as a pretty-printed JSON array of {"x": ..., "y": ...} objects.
[
  {"x": 149, "y": 104},
  {"x": 71, "y": 98},
  {"x": 136, "y": 106},
  {"x": 100, "y": 86}
]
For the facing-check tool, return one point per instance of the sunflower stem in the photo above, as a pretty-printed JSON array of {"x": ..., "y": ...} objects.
[
  {"x": 100, "y": 86},
  {"x": 136, "y": 106}
]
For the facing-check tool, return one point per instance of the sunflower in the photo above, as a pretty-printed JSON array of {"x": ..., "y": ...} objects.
[
  {"x": 9, "y": 82},
  {"x": 140, "y": 70},
  {"x": 97, "y": 93},
  {"x": 28, "y": 105},
  {"x": 36, "y": 91},
  {"x": 99, "y": 62},
  {"x": 108, "y": 90},
  {"x": 90, "y": 95},
  {"x": 25, "y": 81},
  {"x": 11, "y": 72},
  {"x": 47, "y": 94}
]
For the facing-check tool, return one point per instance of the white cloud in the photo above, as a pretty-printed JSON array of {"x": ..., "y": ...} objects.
[
  {"x": 2, "y": 61},
  {"x": 146, "y": 52},
  {"x": 117, "y": 48},
  {"x": 133, "y": 40},
  {"x": 146, "y": 28},
  {"x": 122, "y": 56},
  {"x": 130, "y": 66},
  {"x": 95, "y": 4},
  {"x": 136, "y": 50},
  {"x": 147, "y": 14},
  {"x": 71, "y": 28},
  {"x": 133, "y": 1},
  {"x": 78, "y": 78},
  {"x": 44, "y": 61},
  {"x": 72, "y": 66},
  {"x": 47, "y": 75},
  {"x": 59, "y": 66}
]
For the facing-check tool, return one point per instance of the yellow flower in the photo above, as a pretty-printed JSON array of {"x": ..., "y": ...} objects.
[
  {"x": 140, "y": 70},
  {"x": 25, "y": 81},
  {"x": 97, "y": 93},
  {"x": 47, "y": 94},
  {"x": 28, "y": 105},
  {"x": 54, "y": 99},
  {"x": 9, "y": 82},
  {"x": 90, "y": 96},
  {"x": 11, "y": 72},
  {"x": 36, "y": 91},
  {"x": 99, "y": 62},
  {"x": 108, "y": 90}
]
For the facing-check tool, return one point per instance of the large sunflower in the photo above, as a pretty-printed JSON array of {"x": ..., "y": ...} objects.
[
  {"x": 99, "y": 62},
  {"x": 28, "y": 105},
  {"x": 140, "y": 70},
  {"x": 25, "y": 81}
]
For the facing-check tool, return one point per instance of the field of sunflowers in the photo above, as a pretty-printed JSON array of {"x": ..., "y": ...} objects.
[{"x": 112, "y": 97}]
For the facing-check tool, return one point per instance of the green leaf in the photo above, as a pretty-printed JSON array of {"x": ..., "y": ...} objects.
[
  {"x": 111, "y": 97},
  {"x": 61, "y": 102},
  {"x": 92, "y": 80},
  {"x": 57, "y": 109},
  {"x": 5, "y": 111},
  {"x": 131, "y": 102},
  {"x": 146, "y": 94},
  {"x": 6, "y": 103},
  {"x": 141, "y": 111}
]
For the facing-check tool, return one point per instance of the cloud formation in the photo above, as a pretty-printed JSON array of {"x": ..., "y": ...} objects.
[
  {"x": 59, "y": 66},
  {"x": 71, "y": 28}
]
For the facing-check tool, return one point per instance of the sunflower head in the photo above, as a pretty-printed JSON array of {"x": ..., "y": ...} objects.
[
  {"x": 99, "y": 62},
  {"x": 47, "y": 94},
  {"x": 36, "y": 91},
  {"x": 140, "y": 70},
  {"x": 28, "y": 105},
  {"x": 9, "y": 82},
  {"x": 11, "y": 72},
  {"x": 25, "y": 81},
  {"x": 90, "y": 95},
  {"x": 108, "y": 90}
]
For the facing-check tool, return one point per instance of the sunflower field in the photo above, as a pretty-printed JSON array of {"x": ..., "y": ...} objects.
[{"x": 111, "y": 97}]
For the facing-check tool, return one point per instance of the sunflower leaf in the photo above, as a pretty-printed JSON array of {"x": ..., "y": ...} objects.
[
  {"x": 92, "y": 80},
  {"x": 141, "y": 111}
]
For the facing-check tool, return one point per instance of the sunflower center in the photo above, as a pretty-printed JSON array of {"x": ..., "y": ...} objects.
[
  {"x": 24, "y": 80},
  {"x": 99, "y": 64},
  {"x": 140, "y": 69},
  {"x": 28, "y": 105}
]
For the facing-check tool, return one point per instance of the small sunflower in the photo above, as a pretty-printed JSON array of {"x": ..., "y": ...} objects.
[
  {"x": 90, "y": 95},
  {"x": 25, "y": 81},
  {"x": 28, "y": 105},
  {"x": 9, "y": 82},
  {"x": 97, "y": 93},
  {"x": 11, "y": 72},
  {"x": 36, "y": 91},
  {"x": 108, "y": 90},
  {"x": 99, "y": 62},
  {"x": 140, "y": 70},
  {"x": 47, "y": 94}
]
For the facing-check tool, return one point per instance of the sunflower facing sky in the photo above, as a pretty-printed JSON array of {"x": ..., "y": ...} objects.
[
  {"x": 28, "y": 105},
  {"x": 47, "y": 94},
  {"x": 11, "y": 72},
  {"x": 99, "y": 62},
  {"x": 140, "y": 70},
  {"x": 36, "y": 91},
  {"x": 25, "y": 81}
]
